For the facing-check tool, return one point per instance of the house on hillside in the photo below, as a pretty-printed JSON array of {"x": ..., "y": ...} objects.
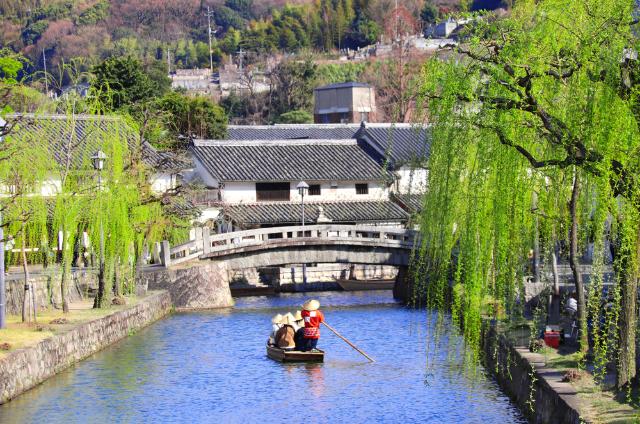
[
  {"x": 255, "y": 183},
  {"x": 348, "y": 102}
]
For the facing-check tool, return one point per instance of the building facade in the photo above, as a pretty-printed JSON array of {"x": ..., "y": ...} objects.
[{"x": 350, "y": 102}]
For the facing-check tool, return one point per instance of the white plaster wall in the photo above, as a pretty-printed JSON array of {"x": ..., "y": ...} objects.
[
  {"x": 239, "y": 192},
  {"x": 411, "y": 180},
  {"x": 162, "y": 182},
  {"x": 245, "y": 192}
]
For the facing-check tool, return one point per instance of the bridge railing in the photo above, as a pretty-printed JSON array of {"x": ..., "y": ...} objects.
[{"x": 219, "y": 243}]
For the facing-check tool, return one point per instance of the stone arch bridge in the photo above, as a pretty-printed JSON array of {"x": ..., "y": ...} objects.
[{"x": 197, "y": 271}]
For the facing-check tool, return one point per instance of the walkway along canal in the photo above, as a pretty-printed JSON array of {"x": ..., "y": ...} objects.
[{"x": 211, "y": 366}]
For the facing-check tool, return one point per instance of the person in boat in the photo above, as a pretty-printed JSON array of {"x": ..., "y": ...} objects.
[
  {"x": 299, "y": 327},
  {"x": 276, "y": 322},
  {"x": 313, "y": 317},
  {"x": 284, "y": 336}
]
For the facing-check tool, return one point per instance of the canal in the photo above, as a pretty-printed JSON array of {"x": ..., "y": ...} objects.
[{"x": 211, "y": 367}]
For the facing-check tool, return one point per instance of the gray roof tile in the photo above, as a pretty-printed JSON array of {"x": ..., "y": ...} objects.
[
  {"x": 87, "y": 134},
  {"x": 339, "y": 212},
  {"x": 292, "y": 131},
  {"x": 401, "y": 143},
  {"x": 286, "y": 160}
]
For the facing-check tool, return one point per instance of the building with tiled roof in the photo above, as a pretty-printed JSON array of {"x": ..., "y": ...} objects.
[
  {"x": 402, "y": 148},
  {"x": 73, "y": 139},
  {"x": 255, "y": 182}
]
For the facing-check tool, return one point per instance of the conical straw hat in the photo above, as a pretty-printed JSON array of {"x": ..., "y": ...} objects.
[
  {"x": 277, "y": 319},
  {"x": 298, "y": 316},
  {"x": 311, "y": 305},
  {"x": 288, "y": 319}
]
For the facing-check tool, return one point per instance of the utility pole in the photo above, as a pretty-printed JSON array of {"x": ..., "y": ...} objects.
[
  {"x": 168, "y": 60},
  {"x": 46, "y": 78},
  {"x": 210, "y": 34},
  {"x": 241, "y": 54}
]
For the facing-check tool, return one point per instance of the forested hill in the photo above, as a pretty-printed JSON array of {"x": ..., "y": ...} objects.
[{"x": 94, "y": 29}]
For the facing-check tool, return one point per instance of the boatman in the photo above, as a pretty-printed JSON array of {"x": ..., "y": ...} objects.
[{"x": 313, "y": 317}]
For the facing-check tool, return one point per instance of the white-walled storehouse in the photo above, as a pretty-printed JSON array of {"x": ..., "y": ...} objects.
[
  {"x": 255, "y": 182},
  {"x": 73, "y": 139}
]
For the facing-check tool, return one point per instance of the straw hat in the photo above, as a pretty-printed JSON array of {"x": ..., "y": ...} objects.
[
  {"x": 288, "y": 319},
  {"x": 277, "y": 319},
  {"x": 298, "y": 316},
  {"x": 311, "y": 305}
]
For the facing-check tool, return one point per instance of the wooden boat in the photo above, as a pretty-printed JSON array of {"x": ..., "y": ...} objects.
[
  {"x": 353, "y": 285},
  {"x": 278, "y": 354}
]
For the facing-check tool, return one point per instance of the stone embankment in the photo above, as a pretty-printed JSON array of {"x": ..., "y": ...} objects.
[
  {"x": 199, "y": 285},
  {"x": 537, "y": 390},
  {"x": 25, "y": 368},
  {"x": 46, "y": 284}
]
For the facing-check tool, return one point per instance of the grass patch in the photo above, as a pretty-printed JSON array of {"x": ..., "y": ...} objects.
[
  {"x": 20, "y": 335},
  {"x": 601, "y": 403}
]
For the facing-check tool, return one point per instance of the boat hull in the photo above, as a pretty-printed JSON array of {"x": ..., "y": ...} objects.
[
  {"x": 278, "y": 354},
  {"x": 353, "y": 285}
]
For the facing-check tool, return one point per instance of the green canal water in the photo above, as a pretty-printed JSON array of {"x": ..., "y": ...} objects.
[{"x": 211, "y": 367}]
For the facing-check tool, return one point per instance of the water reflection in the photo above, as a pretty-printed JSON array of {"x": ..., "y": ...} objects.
[{"x": 212, "y": 367}]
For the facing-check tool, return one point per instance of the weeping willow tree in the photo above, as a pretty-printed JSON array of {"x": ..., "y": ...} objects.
[
  {"x": 535, "y": 142},
  {"x": 25, "y": 215}
]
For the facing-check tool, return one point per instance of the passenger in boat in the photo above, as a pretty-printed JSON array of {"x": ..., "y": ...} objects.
[
  {"x": 313, "y": 317},
  {"x": 284, "y": 336},
  {"x": 277, "y": 323},
  {"x": 299, "y": 327}
]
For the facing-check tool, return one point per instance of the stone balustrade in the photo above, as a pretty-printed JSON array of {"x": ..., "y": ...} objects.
[{"x": 391, "y": 237}]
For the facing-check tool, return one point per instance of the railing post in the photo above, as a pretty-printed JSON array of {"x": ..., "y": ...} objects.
[
  {"x": 165, "y": 254},
  {"x": 157, "y": 249},
  {"x": 206, "y": 241}
]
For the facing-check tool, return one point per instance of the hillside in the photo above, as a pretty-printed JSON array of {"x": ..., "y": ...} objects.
[{"x": 93, "y": 29}]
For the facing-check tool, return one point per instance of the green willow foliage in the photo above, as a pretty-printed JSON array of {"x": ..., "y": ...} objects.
[
  {"x": 520, "y": 109},
  {"x": 61, "y": 199}
]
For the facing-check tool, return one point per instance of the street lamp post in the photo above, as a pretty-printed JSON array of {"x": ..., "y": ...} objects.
[
  {"x": 98, "y": 160},
  {"x": 302, "y": 190}
]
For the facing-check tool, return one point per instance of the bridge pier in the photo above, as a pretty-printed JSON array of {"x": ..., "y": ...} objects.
[{"x": 403, "y": 286}]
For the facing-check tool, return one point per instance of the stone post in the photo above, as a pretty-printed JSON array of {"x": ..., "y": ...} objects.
[
  {"x": 157, "y": 248},
  {"x": 165, "y": 254},
  {"x": 206, "y": 241}
]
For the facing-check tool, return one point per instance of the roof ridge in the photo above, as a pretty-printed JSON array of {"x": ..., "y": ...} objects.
[
  {"x": 295, "y": 203},
  {"x": 79, "y": 116},
  {"x": 283, "y": 142}
]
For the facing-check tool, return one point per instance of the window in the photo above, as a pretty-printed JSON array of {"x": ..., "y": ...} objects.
[
  {"x": 362, "y": 188},
  {"x": 314, "y": 190},
  {"x": 273, "y": 191}
]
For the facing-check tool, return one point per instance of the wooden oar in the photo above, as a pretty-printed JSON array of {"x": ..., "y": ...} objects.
[{"x": 348, "y": 342}]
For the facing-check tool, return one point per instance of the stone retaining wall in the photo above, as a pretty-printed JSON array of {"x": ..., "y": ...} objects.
[
  {"x": 537, "y": 390},
  {"x": 195, "y": 285},
  {"x": 26, "y": 368},
  {"x": 47, "y": 288}
]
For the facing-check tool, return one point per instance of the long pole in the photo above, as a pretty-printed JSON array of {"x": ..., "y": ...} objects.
[
  {"x": 304, "y": 265},
  {"x": 46, "y": 79},
  {"x": 348, "y": 342},
  {"x": 3, "y": 311}
]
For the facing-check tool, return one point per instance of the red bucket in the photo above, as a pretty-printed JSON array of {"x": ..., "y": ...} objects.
[{"x": 552, "y": 339}]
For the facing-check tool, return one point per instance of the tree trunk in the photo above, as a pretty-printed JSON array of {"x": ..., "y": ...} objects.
[
  {"x": 117, "y": 292},
  {"x": 26, "y": 301},
  {"x": 626, "y": 369},
  {"x": 554, "y": 298},
  {"x": 573, "y": 262},
  {"x": 98, "y": 301},
  {"x": 63, "y": 288}
]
